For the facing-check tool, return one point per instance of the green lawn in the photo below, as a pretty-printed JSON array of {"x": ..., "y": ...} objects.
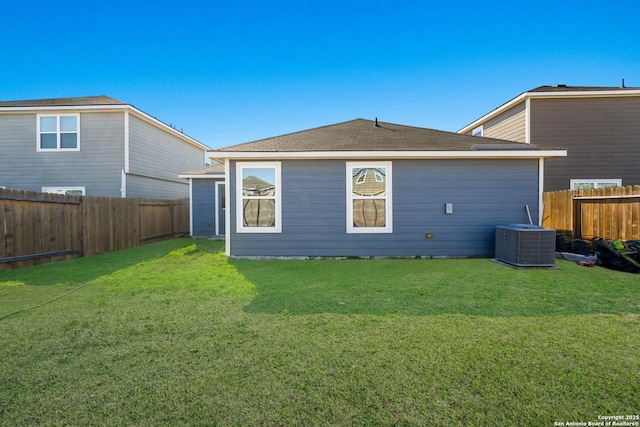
[{"x": 173, "y": 333}]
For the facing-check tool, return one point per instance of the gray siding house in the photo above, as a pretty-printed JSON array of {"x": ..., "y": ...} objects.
[
  {"x": 95, "y": 146},
  {"x": 599, "y": 127},
  {"x": 207, "y": 188},
  {"x": 363, "y": 188}
]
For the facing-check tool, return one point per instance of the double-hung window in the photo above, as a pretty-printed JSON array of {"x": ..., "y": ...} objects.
[
  {"x": 58, "y": 132},
  {"x": 259, "y": 194},
  {"x": 369, "y": 202}
]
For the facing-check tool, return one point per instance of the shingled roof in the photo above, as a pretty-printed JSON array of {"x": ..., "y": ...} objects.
[
  {"x": 63, "y": 102},
  {"x": 370, "y": 136},
  {"x": 215, "y": 170}
]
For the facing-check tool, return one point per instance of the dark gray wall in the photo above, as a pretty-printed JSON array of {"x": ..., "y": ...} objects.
[
  {"x": 601, "y": 135},
  {"x": 484, "y": 193}
]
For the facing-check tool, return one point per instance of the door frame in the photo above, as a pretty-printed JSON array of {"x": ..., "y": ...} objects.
[{"x": 218, "y": 207}]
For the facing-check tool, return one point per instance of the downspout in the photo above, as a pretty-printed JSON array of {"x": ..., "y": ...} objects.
[
  {"x": 125, "y": 171},
  {"x": 191, "y": 206},
  {"x": 227, "y": 219},
  {"x": 540, "y": 189},
  {"x": 123, "y": 184}
]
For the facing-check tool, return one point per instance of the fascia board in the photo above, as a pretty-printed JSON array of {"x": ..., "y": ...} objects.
[
  {"x": 584, "y": 94},
  {"x": 325, "y": 155},
  {"x": 116, "y": 107},
  {"x": 207, "y": 176}
]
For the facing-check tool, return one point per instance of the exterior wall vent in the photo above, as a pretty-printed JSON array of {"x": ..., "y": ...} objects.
[{"x": 526, "y": 245}]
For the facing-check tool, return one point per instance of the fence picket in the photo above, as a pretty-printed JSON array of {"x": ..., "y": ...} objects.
[{"x": 635, "y": 212}]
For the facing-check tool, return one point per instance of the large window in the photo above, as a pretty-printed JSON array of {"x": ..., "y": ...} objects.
[
  {"x": 69, "y": 191},
  {"x": 58, "y": 132},
  {"x": 259, "y": 194},
  {"x": 369, "y": 206},
  {"x": 587, "y": 184}
]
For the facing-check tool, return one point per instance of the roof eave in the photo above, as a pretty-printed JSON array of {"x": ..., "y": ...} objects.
[
  {"x": 202, "y": 176},
  {"x": 29, "y": 109},
  {"x": 399, "y": 155}
]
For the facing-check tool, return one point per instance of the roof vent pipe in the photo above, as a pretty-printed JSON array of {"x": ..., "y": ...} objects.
[
  {"x": 377, "y": 125},
  {"x": 623, "y": 83}
]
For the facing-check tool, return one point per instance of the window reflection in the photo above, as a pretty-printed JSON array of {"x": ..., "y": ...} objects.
[
  {"x": 369, "y": 181},
  {"x": 258, "y": 182},
  {"x": 369, "y": 187},
  {"x": 258, "y": 191},
  {"x": 369, "y": 213},
  {"x": 259, "y": 213}
]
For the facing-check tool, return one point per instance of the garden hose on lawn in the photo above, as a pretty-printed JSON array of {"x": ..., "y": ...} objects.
[{"x": 44, "y": 303}]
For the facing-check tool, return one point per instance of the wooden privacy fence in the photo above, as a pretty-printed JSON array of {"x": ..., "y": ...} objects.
[
  {"x": 39, "y": 227},
  {"x": 610, "y": 213}
]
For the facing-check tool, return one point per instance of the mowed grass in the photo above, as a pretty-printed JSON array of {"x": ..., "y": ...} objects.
[{"x": 173, "y": 333}]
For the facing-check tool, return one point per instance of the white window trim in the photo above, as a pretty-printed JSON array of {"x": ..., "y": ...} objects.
[
  {"x": 58, "y": 132},
  {"x": 595, "y": 182},
  {"x": 63, "y": 190},
  {"x": 240, "y": 227},
  {"x": 388, "y": 228},
  {"x": 479, "y": 130}
]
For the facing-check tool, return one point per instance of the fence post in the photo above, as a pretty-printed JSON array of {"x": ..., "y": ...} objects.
[
  {"x": 576, "y": 228},
  {"x": 171, "y": 214}
]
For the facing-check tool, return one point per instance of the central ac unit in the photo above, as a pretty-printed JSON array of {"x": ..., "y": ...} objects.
[{"x": 526, "y": 245}]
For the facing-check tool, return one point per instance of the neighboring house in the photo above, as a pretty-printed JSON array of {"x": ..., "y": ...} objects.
[
  {"x": 206, "y": 186},
  {"x": 599, "y": 127},
  {"x": 363, "y": 188},
  {"x": 95, "y": 146}
]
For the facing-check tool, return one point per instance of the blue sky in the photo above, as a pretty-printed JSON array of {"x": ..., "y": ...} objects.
[{"x": 227, "y": 72}]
